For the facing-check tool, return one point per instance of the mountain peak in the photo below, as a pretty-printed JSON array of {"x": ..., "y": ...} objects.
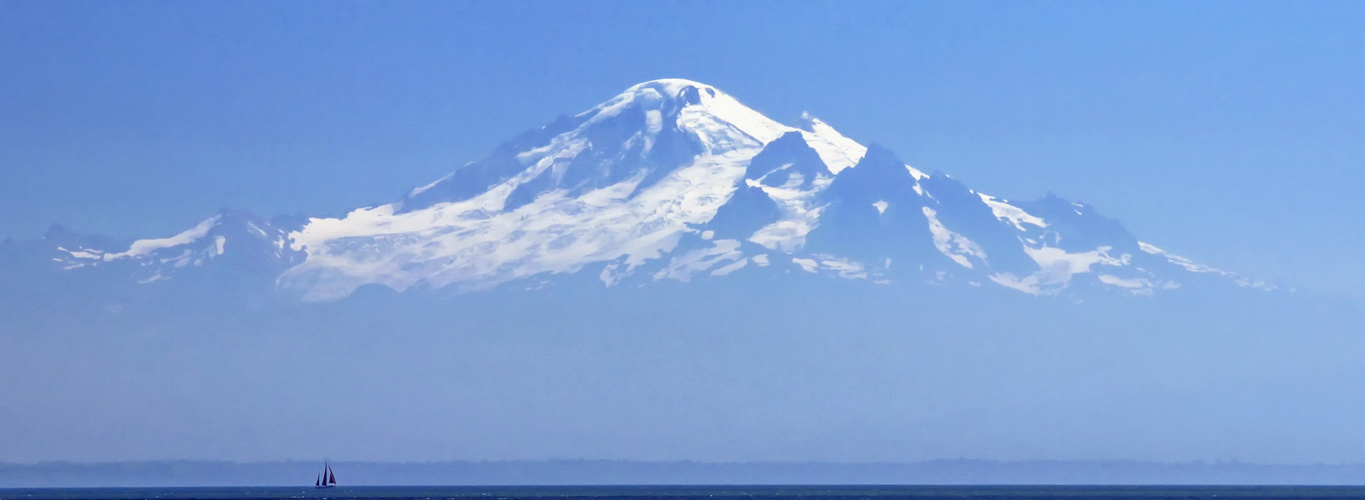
[
  {"x": 719, "y": 120},
  {"x": 671, "y": 86},
  {"x": 808, "y": 122},
  {"x": 669, "y": 95}
]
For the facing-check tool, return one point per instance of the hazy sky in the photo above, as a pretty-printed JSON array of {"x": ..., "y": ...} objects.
[{"x": 1227, "y": 132}]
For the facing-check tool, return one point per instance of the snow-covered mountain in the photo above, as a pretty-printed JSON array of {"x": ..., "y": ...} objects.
[
  {"x": 231, "y": 239},
  {"x": 672, "y": 180}
]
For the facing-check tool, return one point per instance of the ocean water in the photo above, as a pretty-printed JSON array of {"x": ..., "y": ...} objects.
[{"x": 695, "y": 492}]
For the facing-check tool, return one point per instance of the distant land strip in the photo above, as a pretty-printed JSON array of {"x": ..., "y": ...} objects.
[{"x": 609, "y": 472}]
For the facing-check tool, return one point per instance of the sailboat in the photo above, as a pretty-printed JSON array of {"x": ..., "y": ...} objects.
[{"x": 327, "y": 479}]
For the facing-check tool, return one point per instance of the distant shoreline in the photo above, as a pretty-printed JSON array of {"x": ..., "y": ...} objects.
[
  {"x": 675, "y": 492},
  {"x": 607, "y": 472}
]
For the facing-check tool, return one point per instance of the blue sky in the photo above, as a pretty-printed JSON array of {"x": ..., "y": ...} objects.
[{"x": 1229, "y": 132}]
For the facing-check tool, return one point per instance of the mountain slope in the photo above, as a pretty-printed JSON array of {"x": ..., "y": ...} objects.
[
  {"x": 624, "y": 185},
  {"x": 231, "y": 239}
]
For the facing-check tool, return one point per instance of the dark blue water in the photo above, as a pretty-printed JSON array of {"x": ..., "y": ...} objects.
[{"x": 696, "y": 492}]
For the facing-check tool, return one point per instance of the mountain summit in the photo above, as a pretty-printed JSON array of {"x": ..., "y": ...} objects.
[{"x": 676, "y": 180}]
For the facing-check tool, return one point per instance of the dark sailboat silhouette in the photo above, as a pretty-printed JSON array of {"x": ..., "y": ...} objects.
[{"x": 327, "y": 479}]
